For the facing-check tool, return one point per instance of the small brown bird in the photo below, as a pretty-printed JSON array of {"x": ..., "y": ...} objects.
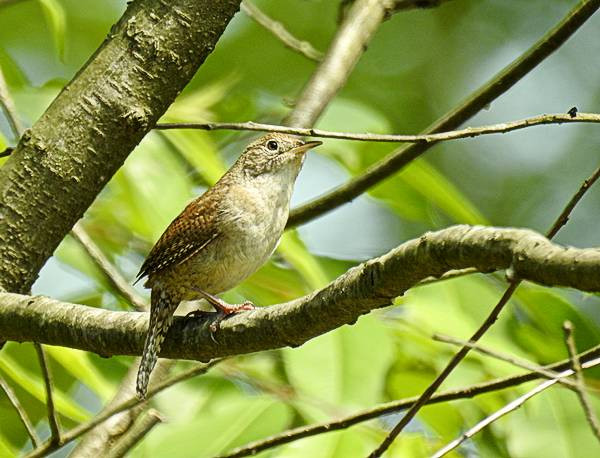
[{"x": 221, "y": 238}]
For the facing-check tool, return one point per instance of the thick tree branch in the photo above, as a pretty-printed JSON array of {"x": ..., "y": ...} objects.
[
  {"x": 370, "y": 285},
  {"x": 482, "y": 97},
  {"x": 90, "y": 128}
]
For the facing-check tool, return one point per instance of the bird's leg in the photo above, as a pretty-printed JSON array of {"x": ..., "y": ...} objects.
[{"x": 223, "y": 309}]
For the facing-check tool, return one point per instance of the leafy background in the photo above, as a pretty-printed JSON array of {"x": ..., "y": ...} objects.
[{"x": 420, "y": 64}]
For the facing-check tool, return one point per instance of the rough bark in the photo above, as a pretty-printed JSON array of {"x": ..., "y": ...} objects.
[
  {"x": 373, "y": 284},
  {"x": 62, "y": 162}
]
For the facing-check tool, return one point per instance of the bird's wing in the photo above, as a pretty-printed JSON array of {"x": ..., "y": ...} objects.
[{"x": 189, "y": 233}]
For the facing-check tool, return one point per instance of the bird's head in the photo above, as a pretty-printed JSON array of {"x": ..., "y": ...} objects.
[{"x": 275, "y": 152}]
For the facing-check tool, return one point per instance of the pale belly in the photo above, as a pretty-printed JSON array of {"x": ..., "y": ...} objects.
[{"x": 233, "y": 256}]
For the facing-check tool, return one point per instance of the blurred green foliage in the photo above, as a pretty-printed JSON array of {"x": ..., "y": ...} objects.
[{"x": 420, "y": 64}]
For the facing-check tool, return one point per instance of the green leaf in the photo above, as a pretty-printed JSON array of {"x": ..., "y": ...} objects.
[
  {"x": 348, "y": 365},
  {"x": 6, "y": 449},
  {"x": 34, "y": 386},
  {"x": 56, "y": 20},
  {"x": 77, "y": 363},
  {"x": 293, "y": 251},
  {"x": 231, "y": 421},
  {"x": 200, "y": 151},
  {"x": 425, "y": 179}
]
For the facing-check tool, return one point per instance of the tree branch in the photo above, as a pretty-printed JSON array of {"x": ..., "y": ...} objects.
[
  {"x": 100, "y": 116},
  {"x": 509, "y": 408},
  {"x": 469, "y": 132},
  {"x": 581, "y": 392},
  {"x": 498, "y": 85},
  {"x": 361, "y": 23},
  {"x": 370, "y": 285},
  {"x": 301, "y": 432},
  {"x": 52, "y": 419},
  {"x": 276, "y": 28},
  {"x": 514, "y": 282},
  {"x": 115, "y": 278},
  {"x": 12, "y": 398}
]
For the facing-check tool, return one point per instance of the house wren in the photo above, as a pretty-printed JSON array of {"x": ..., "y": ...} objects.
[{"x": 221, "y": 237}]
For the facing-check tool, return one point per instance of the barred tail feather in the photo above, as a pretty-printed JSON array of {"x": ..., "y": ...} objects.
[{"x": 161, "y": 317}]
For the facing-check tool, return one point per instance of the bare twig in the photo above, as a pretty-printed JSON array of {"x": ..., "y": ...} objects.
[
  {"x": 361, "y": 23},
  {"x": 563, "y": 218},
  {"x": 469, "y": 132},
  {"x": 55, "y": 438},
  {"x": 581, "y": 389},
  {"x": 12, "y": 398},
  {"x": 509, "y": 408},
  {"x": 498, "y": 85},
  {"x": 397, "y": 406},
  {"x": 83, "y": 428},
  {"x": 136, "y": 433},
  {"x": 111, "y": 273},
  {"x": 278, "y": 29},
  {"x": 511, "y": 359},
  {"x": 489, "y": 321}
]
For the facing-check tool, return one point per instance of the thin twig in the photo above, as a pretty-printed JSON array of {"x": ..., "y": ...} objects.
[
  {"x": 9, "y": 109},
  {"x": 136, "y": 433},
  {"x": 106, "y": 267},
  {"x": 489, "y": 321},
  {"x": 511, "y": 359},
  {"x": 397, "y": 406},
  {"x": 563, "y": 218},
  {"x": 55, "y": 438},
  {"x": 83, "y": 428},
  {"x": 509, "y": 408},
  {"x": 278, "y": 29},
  {"x": 581, "y": 389},
  {"x": 469, "y": 132},
  {"x": 490, "y": 91},
  {"x": 12, "y": 398}
]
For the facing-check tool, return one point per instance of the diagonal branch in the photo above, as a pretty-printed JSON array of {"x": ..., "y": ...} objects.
[
  {"x": 363, "y": 288},
  {"x": 52, "y": 419},
  {"x": 511, "y": 359},
  {"x": 115, "y": 277},
  {"x": 581, "y": 392},
  {"x": 12, "y": 398},
  {"x": 509, "y": 408},
  {"x": 301, "y": 432},
  {"x": 514, "y": 282},
  {"x": 361, "y": 23},
  {"x": 114, "y": 409},
  {"x": 490, "y": 91},
  {"x": 278, "y": 30}
]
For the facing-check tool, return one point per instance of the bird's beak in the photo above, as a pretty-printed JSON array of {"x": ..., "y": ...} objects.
[{"x": 305, "y": 147}]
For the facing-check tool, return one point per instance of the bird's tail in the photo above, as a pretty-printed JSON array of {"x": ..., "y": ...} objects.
[{"x": 162, "y": 307}]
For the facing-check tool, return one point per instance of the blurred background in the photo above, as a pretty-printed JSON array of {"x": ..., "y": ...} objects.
[{"x": 420, "y": 64}]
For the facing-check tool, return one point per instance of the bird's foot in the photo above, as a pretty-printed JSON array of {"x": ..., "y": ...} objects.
[{"x": 223, "y": 310}]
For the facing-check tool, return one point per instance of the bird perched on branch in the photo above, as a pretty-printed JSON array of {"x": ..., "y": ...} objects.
[{"x": 221, "y": 237}]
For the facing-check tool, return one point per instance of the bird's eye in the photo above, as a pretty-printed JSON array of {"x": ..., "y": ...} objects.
[{"x": 272, "y": 145}]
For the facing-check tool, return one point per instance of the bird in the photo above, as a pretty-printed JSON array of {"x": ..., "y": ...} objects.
[{"x": 221, "y": 238}]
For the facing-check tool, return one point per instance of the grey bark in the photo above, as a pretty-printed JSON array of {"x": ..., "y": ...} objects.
[
  {"x": 373, "y": 284},
  {"x": 62, "y": 162}
]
